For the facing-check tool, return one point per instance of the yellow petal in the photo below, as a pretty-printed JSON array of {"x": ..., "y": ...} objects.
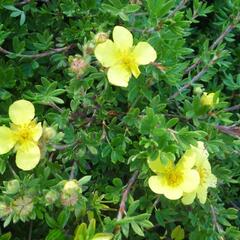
[
  {"x": 144, "y": 53},
  {"x": 27, "y": 157},
  {"x": 135, "y": 70},
  {"x": 119, "y": 75},
  {"x": 188, "y": 198},
  {"x": 212, "y": 181},
  {"x": 21, "y": 112},
  {"x": 157, "y": 185},
  {"x": 189, "y": 158},
  {"x": 202, "y": 194},
  {"x": 37, "y": 132},
  {"x": 107, "y": 53},
  {"x": 157, "y": 166},
  {"x": 191, "y": 180},
  {"x": 122, "y": 37},
  {"x": 173, "y": 193},
  {"x": 7, "y": 140}
]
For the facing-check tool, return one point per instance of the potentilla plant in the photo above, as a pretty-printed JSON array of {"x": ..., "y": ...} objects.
[{"x": 119, "y": 120}]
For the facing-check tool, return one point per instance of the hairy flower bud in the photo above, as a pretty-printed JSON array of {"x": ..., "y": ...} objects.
[
  {"x": 51, "y": 197},
  {"x": 78, "y": 64},
  {"x": 5, "y": 210},
  {"x": 48, "y": 133},
  {"x": 70, "y": 193},
  {"x": 12, "y": 187},
  {"x": 23, "y": 206},
  {"x": 88, "y": 48},
  {"x": 101, "y": 37}
]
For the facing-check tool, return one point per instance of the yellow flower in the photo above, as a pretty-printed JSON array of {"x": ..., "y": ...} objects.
[
  {"x": 174, "y": 180},
  {"x": 23, "y": 133},
  {"x": 122, "y": 58},
  {"x": 207, "y": 179},
  {"x": 208, "y": 99}
]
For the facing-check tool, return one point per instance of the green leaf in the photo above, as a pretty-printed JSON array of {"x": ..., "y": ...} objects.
[
  {"x": 55, "y": 234},
  {"x": 137, "y": 229},
  {"x": 6, "y": 236},
  {"x": 103, "y": 236}
]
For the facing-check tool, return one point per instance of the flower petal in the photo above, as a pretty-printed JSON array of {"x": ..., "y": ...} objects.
[
  {"x": 37, "y": 132},
  {"x": 27, "y": 157},
  {"x": 135, "y": 70},
  {"x": 157, "y": 185},
  {"x": 212, "y": 181},
  {"x": 122, "y": 37},
  {"x": 173, "y": 193},
  {"x": 191, "y": 180},
  {"x": 107, "y": 53},
  {"x": 119, "y": 75},
  {"x": 144, "y": 53},
  {"x": 157, "y": 166},
  {"x": 7, "y": 140},
  {"x": 189, "y": 158},
  {"x": 202, "y": 194},
  {"x": 188, "y": 198},
  {"x": 21, "y": 112}
]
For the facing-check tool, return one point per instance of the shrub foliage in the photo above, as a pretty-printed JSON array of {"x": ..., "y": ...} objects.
[{"x": 98, "y": 140}]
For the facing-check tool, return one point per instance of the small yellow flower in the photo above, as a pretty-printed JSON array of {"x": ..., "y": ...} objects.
[
  {"x": 122, "y": 58},
  {"x": 24, "y": 133},
  {"x": 207, "y": 179},
  {"x": 208, "y": 99},
  {"x": 174, "y": 180}
]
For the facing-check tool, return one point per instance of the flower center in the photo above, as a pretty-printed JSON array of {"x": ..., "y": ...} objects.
[
  {"x": 127, "y": 59},
  {"x": 24, "y": 133},
  {"x": 203, "y": 174},
  {"x": 174, "y": 177}
]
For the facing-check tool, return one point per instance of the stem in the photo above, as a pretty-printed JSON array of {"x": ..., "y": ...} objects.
[
  {"x": 233, "y": 108},
  {"x": 215, "y": 222},
  {"x": 180, "y": 6},
  {"x": 219, "y": 40},
  {"x": 40, "y": 55},
  {"x": 30, "y": 231},
  {"x": 122, "y": 206}
]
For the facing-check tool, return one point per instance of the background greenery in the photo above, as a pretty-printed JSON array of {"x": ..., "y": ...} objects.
[{"x": 108, "y": 132}]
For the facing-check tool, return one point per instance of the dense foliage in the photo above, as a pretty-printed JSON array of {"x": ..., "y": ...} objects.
[{"x": 98, "y": 141}]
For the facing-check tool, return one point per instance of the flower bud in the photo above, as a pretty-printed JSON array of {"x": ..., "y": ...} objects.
[
  {"x": 5, "y": 210},
  {"x": 51, "y": 197},
  {"x": 23, "y": 206},
  {"x": 208, "y": 99},
  {"x": 101, "y": 37},
  {"x": 78, "y": 65},
  {"x": 197, "y": 90},
  {"x": 88, "y": 48},
  {"x": 70, "y": 193},
  {"x": 49, "y": 133},
  {"x": 12, "y": 187}
]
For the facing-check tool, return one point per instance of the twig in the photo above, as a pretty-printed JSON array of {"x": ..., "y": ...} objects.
[
  {"x": 215, "y": 222},
  {"x": 233, "y": 108},
  {"x": 194, "y": 79},
  {"x": 122, "y": 206},
  {"x": 22, "y": 3},
  {"x": 39, "y": 55},
  {"x": 30, "y": 231},
  {"x": 71, "y": 176},
  {"x": 180, "y": 6},
  {"x": 219, "y": 40},
  {"x": 230, "y": 130}
]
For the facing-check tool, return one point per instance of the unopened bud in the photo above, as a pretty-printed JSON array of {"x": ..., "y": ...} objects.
[
  {"x": 51, "y": 197},
  {"x": 49, "y": 133},
  {"x": 88, "y": 48},
  {"x": 12, "y": 186},
  {"x": 197, "y": 90},
  {"x": 5, "y": 210},
  {"x": 70, "y": 193},
  {"x": 23, "y": 206},
  {"x": 208, "y": 99},
  {"x": 78, "y": 65},
  {"x": 101, "y": 37}
]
